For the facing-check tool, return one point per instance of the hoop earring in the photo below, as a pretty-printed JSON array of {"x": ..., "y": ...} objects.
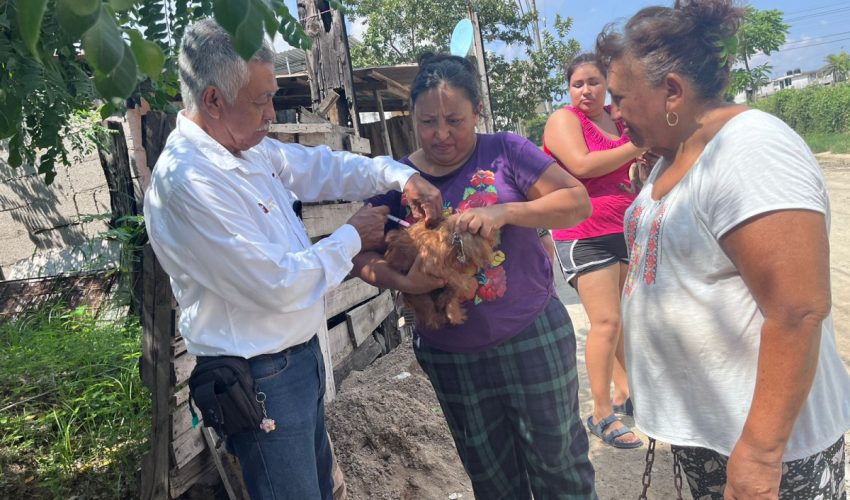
[{"x": 675, "y": 119}]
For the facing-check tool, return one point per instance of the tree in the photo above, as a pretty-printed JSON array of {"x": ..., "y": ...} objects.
[
  {"x": 762, "y": 31},
  {"x": 61, "y": 58},
  {"x": 839, "y": 65},
  {"x": 398, "y": 31}
]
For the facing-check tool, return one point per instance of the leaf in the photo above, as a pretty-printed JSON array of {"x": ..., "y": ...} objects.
[
  {"x": 103, "y": 44},
  {"x": 15, "y": 159},
  {"x": 148, "y": 54},
  {"x": 82, "y": 8},
  {"x": 30, "y": 14},
  {"x": 230, "y": 13},
  {"x": 10, "y": 116},
  {"x": 249, "y": 36},
  {"x": 107, "y": 110},
  {"x": 271, "y": 22},
  {"x": 71, "y": 21},
  {"x": 121, "y": 81},
  {"x": 122, "y": 5},
  {"x": 243, "y": 19}
]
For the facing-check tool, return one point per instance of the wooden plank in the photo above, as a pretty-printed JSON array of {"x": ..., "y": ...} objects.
[
  {"x": 362, "y": 357},
  {"x": 187, "y": 446},
  {"x": 393, "y": 86},
  {"x": 180, "y": 397},
  {"x": 301, "y": 128},
  {"x": 359, "y": 145},
  {"x": 388, "y": 146},
  {"x": 323, "y": 107},
  {"x": 209, "y": 438},
  {"x": 156, "y": 362},
  {"x": 324, "y": 345},
  {"x": 363, "y": 319},
  {"x": 182, "y": 368},
  {"x": 347, "y": 295},
  {"x": 178, "y": 346},
  {"x": 333, "y": 140},
  {"x": 339, "y": 341},
  {"x": 181, "y": 421},
  {"x": 183, "y": 479},
  {"x": 323, "y": 219}
]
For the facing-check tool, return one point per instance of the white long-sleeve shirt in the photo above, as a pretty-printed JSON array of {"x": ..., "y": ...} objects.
[{"x": 246, "y": 276}]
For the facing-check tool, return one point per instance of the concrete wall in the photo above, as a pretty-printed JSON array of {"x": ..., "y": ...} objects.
[{"x": 42, "y": 228}]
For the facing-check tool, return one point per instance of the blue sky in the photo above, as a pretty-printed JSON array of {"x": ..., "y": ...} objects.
[{"x": 818, "y": 27}]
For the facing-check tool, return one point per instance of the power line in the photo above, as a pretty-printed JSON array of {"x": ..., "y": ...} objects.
[
  {"x": 812, "y": 40},
  {"x": 812, "y": 9},
  {"x": 813, "y": 45},
  {"x": 819, "y": 14}
]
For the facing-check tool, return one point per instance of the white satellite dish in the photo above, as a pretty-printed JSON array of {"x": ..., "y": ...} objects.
[{"x": 461, "y": 42}]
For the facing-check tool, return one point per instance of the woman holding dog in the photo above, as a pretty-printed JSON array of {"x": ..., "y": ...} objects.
[
  {"x": 592, "y": 146},
  {"x": 506, "y": 378},
  {"x": 730, "y": 345}
]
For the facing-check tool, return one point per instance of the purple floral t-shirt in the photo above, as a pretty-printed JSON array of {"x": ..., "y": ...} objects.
[{"x": 518, "y": 284}]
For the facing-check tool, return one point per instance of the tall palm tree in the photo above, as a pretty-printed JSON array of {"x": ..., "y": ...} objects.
[{"x": 839, "y": 65}]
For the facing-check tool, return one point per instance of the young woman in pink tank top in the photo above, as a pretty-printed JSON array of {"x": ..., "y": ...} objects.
[{"x": 588, "y": 143}]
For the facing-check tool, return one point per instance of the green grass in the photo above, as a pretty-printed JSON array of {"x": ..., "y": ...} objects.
[
  {"x": 74, "y": 415},
  {"x": 832, "y": 142}
]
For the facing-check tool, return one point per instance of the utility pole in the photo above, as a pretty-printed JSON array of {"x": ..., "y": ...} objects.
[
  {"x": 547, "y": 104},
  {"x": 489, "y": 127}
]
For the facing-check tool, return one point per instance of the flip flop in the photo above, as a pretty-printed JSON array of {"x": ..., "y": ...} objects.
[
  {"x": 627, "y": 408},
  {"x": 598, "y": 430}
]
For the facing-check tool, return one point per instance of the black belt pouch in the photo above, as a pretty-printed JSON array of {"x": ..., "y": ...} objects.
[{"x": 223, "y": 388}]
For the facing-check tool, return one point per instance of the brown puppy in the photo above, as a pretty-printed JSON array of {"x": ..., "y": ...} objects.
[{"x": 445, "y": 254}]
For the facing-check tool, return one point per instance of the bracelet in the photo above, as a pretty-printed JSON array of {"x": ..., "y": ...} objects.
[{"x": 541, "y": 232}]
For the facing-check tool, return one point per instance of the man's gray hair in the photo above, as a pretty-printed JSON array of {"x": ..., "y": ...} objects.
[{"x": 208, "y": 59}]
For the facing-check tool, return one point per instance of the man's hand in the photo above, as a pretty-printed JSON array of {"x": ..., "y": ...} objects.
[
  {"x": 418, "y": 281},
  {"x": 752, "y": 475},
  {"x": 424, "y": 199},
  {"x": 369, "y": 222}
]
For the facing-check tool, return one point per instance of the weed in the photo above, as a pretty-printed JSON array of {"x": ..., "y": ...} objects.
[{"x": 74, "y": 417}]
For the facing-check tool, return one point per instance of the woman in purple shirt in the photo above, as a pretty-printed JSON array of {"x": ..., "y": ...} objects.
[{"x": 506, "y": 378}]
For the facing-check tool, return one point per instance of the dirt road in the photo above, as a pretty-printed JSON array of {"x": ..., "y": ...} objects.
[{"x": 392, "y": 440}]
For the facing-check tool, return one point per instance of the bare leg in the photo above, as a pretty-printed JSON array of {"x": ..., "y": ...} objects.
[
  {"x": 621, "y": 382},
  {"x": 600, "y": 293}
]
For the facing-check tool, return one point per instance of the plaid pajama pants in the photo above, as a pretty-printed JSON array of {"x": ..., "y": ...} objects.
[{"x": 513, "y": 412}]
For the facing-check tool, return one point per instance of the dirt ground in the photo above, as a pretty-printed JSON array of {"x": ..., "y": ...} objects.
[{"x": 392, "y": 442}]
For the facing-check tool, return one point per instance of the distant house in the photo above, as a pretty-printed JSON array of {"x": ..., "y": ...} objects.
[{"x": 792, "y": 79}]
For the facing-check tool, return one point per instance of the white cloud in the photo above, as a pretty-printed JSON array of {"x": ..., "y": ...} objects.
[{"x": 357, "y": 28}]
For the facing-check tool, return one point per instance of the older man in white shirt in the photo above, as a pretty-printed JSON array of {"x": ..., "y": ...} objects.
[{"x": 248, "y": 280}]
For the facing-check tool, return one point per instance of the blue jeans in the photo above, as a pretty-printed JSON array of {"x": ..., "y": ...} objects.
[{"x": 293, "y": 461}]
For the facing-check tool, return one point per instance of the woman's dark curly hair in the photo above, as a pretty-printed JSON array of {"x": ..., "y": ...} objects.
[{"x": 687, "y": 39}]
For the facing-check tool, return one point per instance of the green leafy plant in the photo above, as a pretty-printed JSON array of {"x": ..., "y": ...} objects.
[
  {"x": 811, "y": 110},
  {"x": 762, "y": 31},
  {"x": 74, "y": 416},
  {"x": 839, "y": 65},
  {"x": 398, "y": 31},
  {"x": 61, "y": 57}
]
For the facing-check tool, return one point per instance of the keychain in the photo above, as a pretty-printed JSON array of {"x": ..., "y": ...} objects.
[{"x": 267, "y": 424}]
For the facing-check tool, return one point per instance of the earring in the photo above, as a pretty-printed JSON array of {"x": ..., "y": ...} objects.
[{"x": 672, "y": 118}]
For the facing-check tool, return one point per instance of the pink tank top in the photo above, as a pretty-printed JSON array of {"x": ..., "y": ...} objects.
[{"x": 610, "y": 194}]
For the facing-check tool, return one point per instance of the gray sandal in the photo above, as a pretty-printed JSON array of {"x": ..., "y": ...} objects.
[{"x": 598, "y": 430}]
